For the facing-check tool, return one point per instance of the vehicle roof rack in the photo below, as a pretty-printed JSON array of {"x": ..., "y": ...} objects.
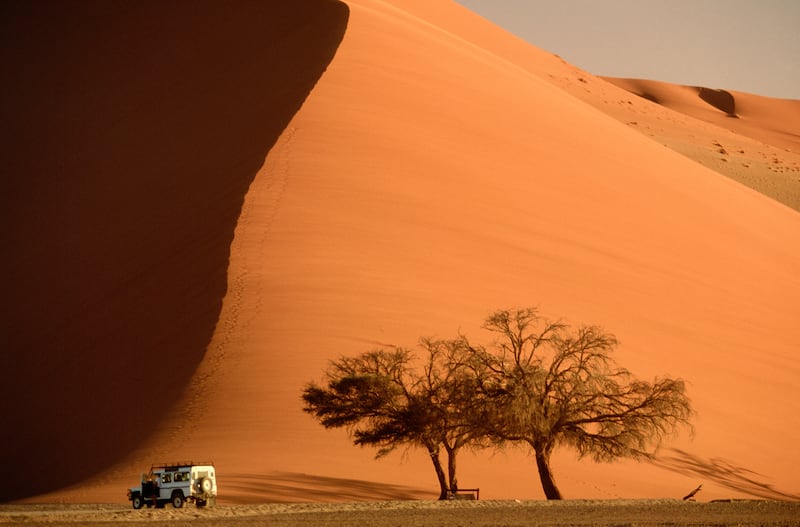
[{"x": 177, "y": 464}]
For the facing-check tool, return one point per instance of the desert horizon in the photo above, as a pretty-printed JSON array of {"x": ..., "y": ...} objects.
[{"x": 209, "y": 205}]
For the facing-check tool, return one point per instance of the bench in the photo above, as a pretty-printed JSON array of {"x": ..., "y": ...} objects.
[{"x": 464, "y": 494}]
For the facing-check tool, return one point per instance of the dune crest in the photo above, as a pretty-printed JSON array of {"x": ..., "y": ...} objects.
[
  {"x": 438, "y": 171},
  {"x": 760, "y": 148},
  {"x": 774, "y": 122},
  {"x": 722, "y": 100},
  {"x": 131, "y": 135}
]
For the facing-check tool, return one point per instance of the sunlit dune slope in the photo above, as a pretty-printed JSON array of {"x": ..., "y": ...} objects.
[
  {"x": 131, "y": 132},
  {"x": 759, "y": 148},
  {"x": 436, "y": 172},
  {"x": 752, "y": 139}
]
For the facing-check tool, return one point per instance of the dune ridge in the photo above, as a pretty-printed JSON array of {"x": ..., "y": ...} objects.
[
  {"x": 759, "y": 148},
  {"x": 775, "y": 122},
  {"x": 439, "y": 169},
  {"x": 131, "y": 135}
]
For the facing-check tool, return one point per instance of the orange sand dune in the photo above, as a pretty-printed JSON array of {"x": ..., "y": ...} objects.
[
  {"x": 438, "y": 171},
  {"x": 759, "y": 147},
  {"x": 772, "y": 121},
  {"x": 130, "y": 136}
]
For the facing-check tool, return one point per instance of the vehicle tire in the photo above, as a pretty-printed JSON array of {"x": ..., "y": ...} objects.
[
  {"x": 200, "y": 503},
  {"x": 137, "y": 501},
  {"x": 205, "y": 485},
  {"x": 177, "y": 499}
]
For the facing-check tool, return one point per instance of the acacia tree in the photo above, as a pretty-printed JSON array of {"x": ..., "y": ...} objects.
[
  {"x": 449, "y": 386},
  {"x": 386, "y": 403},
  {"x": 547, "y": 384},
  {"x": 542, "y": 383}
]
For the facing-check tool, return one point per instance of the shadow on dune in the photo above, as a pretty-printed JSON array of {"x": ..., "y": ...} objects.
[
  {"x": 131, "y": 132},
  {"x": 650, "y": 97},
  {"x": 722, "y": 472},
  {"x": 720, "y": 99},
  {"x": 292, "y": 487}
]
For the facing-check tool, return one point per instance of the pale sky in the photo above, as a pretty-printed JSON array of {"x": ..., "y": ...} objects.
[{"x": 745, "y": 45}]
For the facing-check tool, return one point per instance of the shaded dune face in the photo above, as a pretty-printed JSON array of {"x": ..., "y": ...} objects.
[
  {"x": 131, "y": 134},
  {"x": 719, "y": 99}
]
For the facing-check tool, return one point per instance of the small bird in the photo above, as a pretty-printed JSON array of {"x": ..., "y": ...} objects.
[{"x": 690, "y": 496}]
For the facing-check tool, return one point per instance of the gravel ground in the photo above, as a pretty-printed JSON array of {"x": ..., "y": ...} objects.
[{"x": 423, "y": 514}]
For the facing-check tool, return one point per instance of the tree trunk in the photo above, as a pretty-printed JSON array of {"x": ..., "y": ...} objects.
[
  {"x": 451, "y": 468},
  {"x": 551, "y": 492},
  {"x": 440, "y": 475}
]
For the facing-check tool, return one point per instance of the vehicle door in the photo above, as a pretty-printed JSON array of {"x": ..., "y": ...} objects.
[
  {"x": 166, "y": 484},
  {"x": 182, "y": 480}
]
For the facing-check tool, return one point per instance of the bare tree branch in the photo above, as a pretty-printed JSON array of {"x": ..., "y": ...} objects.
[{"x": 541, "y": 383}]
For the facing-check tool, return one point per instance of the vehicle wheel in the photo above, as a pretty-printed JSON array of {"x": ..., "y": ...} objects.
[
  {"x": 177, "y": 500},
  {"x": 137, "y": 501},
  {"x": 200, "y": 503},
  {"x": 205, "y": 485}
]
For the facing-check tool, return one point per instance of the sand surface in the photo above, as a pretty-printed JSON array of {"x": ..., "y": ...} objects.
[
  {"x": 751, "y": 139},
  {"x": 425, "y": 514},
  {"x": 381, "y": 171}
]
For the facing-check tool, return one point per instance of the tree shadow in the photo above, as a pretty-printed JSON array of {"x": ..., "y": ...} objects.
[
  {"x": 131, "y": 133},
  {"x": 722, "y": 472},
  {"x": 293, "y": 487}
]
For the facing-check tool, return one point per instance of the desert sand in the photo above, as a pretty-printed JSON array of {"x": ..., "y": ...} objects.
[
  {"x": 424, "y": 514},
  {"x": 208, "y": 211}
]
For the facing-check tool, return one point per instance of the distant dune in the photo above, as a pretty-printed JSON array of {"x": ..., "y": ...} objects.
[
  {"x": 231, "y": 206},
  {"x": 770, "y": 121},
  {"x": 754, "y": 140}
]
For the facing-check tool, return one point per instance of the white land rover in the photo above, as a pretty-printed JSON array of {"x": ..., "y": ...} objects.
[{"x": 176, "y": 483}]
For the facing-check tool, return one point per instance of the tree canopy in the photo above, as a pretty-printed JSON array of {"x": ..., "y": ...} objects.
[
  {"x": 549, "y": 384},
  {"x": 540, "y": 383},
  {"x": 387, "y": 404}
]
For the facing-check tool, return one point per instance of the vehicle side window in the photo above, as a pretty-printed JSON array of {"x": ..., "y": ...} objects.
[
  {"x": 166, "y": 478},
  {"x": 181, "y": 476}
]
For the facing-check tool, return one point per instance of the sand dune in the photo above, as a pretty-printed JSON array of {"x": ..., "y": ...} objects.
[
  {"x": 757, "y": 147},
  {"x": 752, "y": 139},
  {"x": 131, "y": 134},
  {"x": 440, "y": 169},
  {"x": 771, "y": 121}
]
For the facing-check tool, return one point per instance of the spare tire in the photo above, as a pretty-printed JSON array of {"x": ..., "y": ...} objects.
[{"x": 205, "y": 485}]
